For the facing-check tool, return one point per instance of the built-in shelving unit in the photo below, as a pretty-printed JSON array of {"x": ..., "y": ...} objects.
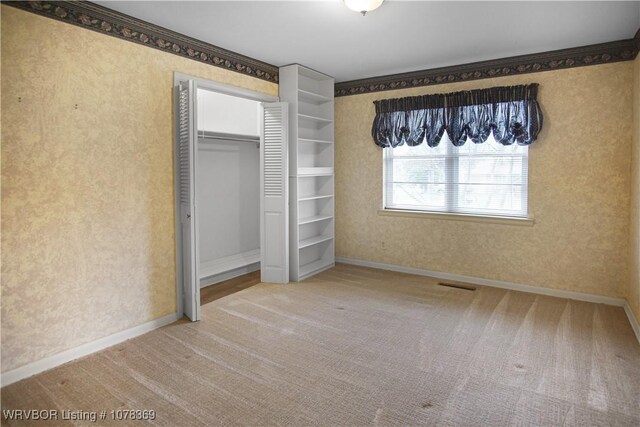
[{"x": 311, "y": 169}]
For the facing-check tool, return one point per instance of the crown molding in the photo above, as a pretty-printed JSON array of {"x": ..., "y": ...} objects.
[
  {"x": 107, "y": 21},
  {"x": 603, "y": 53}
]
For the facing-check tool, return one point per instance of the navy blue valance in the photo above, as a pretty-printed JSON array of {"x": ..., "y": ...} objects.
[{"x": 511, "y": 113}]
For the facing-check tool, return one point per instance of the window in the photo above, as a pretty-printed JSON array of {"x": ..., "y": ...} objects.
[{"x": 479, "y": 179}]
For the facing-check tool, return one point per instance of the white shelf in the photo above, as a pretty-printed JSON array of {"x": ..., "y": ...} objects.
[
  {"x": 326, "y": 196},
  {"x": 228, "y": 263},
  {"x": 312, "y": 97},
  {"x": 312, "y": 219},
  {"x": 313, "y": 241},
  {"x": 319, "y": 120},
  {"x": 315, "y": 141},
  {"x": 315, "y": 171},
  {"x": 315, "y": 266}
]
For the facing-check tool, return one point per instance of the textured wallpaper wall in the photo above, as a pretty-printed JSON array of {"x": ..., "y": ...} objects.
[
  {"x": 634, "y": 264},
  {"x": 87, "y": 192},
  {"x": 579, "y": 187},
  {"x": 87, "y": 245}
]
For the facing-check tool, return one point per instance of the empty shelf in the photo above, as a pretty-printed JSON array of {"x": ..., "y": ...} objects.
[
  {"x": 228, "y": 263},
  {"x": 315, "y": 266},
  {"x": 312, "y": 97},
  {"x": 316, "y": 141},
  {"x": 313, "y": 241},
  {"x": 315, "y": 119},
  {"x": 323, "y": 196},
  {"x": 315, "y": 171},
  {"x": 310, "y": 219}
]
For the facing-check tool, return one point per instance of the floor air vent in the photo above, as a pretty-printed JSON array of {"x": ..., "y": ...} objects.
[{"x": 458, "y": 286}]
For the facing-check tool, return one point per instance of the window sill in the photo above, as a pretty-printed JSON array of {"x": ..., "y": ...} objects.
[{"x": 526, "y": 222}]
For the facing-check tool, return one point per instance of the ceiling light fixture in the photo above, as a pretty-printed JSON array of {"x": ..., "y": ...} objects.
[{"x": 363, "y": 6}]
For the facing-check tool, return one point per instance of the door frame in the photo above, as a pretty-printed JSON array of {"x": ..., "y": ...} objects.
[{"x": 215, "y": 87}]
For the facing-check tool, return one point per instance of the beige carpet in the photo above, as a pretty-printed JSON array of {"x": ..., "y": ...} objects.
[{"x": 355, "y": 346}]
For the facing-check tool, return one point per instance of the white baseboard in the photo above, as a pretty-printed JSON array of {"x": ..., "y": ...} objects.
[
  {"x": 632, "y": 319},
  {"x": 50, "y": 362},
  {"x": 619, "y": 302},
  {"x": 579, "y": 296}
]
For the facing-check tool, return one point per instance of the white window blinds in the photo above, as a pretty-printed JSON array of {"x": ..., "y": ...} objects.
[{"x": 480, "y": 179}]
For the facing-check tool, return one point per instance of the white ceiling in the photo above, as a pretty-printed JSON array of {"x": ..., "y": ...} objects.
[{"x": 400, "y": 36}]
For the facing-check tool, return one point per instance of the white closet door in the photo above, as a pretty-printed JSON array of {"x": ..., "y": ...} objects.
[
  {"x": 187, "y": 151},
  {"x": 274, "y": 194}
]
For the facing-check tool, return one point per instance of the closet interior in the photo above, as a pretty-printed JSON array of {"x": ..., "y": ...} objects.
[{"x": 228, "y": 189}]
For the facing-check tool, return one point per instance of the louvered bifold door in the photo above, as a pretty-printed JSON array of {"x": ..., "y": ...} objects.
[
  {"x": 274, "y": 194},
  {"x": 186, "y": 146}
]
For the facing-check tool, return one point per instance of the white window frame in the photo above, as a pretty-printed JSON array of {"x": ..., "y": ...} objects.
[{"x": 450, "y": 211}]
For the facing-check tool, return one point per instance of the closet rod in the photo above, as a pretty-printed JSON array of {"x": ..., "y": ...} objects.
[{"x": 228, "y": 136}]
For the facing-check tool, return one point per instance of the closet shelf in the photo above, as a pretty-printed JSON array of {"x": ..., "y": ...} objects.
[
  {"x": 315, "y": 171},
  {"x": 312, "y": 97},
  {"x": 317, "y": 218},
  {"x": 313, "y": 241},
  {"x": 319, "y": 120},
  {"x": 228, "y": 263},
  {"x": 221, "y": 136},
  {"x": 326, "y": 196},
  {"x": 315, "y": 266},
  {"x": 315, "y": 141}
]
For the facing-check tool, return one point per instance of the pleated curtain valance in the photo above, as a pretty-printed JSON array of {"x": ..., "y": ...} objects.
[{"x": 511, "y": 113}]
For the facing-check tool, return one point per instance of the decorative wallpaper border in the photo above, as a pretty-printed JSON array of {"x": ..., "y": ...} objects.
[
  {"x": 604, "y": 53},
  {"x": 106, "y": 21}
]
